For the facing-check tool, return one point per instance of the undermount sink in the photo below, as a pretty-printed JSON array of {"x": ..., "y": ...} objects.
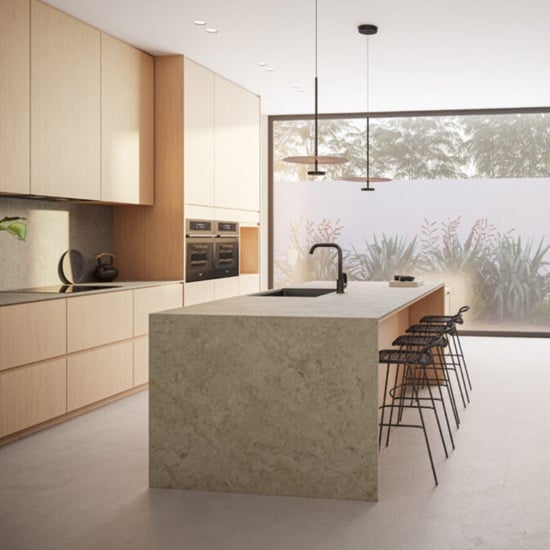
[{"x": 297, "y": 292}]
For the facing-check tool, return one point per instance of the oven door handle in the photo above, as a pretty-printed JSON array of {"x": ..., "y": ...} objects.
[{"x": 199, "y": 235}]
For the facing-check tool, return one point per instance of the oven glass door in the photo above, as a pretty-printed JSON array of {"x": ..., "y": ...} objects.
[
  {"x": 226, "y": 257},
  {"x": 199, "y": 260}
]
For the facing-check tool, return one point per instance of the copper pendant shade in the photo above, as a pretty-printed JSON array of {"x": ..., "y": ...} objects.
[
  {"x": 367, "y": 29},
  {"x": 316, "y": 159}
]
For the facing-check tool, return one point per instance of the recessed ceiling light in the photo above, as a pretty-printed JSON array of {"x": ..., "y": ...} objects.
[
  {"x": 270, "y": 69},
  {"x": 199, "y": 22},
  {"x": 211, "y": 31},
  {"x": 262, "y": 64}
]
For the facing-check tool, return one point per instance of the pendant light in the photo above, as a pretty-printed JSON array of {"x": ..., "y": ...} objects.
[
  {"x": 316, "y": 159},
  {"x": 367, "y": 30}
]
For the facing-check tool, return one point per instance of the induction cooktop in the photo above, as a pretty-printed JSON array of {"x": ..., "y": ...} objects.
[{"x": 63, "y": 289}]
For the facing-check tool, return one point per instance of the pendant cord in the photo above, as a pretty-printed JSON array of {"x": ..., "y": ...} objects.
[
  {"x": 368, "y": 118},
  {"x": 316, "y": 144}
]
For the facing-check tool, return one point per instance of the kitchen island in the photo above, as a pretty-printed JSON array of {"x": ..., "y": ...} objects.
[{"x": 276, "y": 395}]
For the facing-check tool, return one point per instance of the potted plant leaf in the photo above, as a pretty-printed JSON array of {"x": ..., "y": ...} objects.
[{"x": 14, "y": 225}]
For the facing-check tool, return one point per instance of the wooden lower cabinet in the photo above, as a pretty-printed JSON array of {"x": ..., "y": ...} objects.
[
  {"x": 141, "y": 360},
  {"x": 98, "y": 373},
  {"x": 32, "y": 332},
  {"x": 226, "y": 288},
  {"x": 99, "y": 319},
  {"x": 153, "y": 299},
  {"x": 32, "y": 394}
]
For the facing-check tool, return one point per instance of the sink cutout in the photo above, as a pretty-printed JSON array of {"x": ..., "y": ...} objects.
[{"x": 297, "y": 292}]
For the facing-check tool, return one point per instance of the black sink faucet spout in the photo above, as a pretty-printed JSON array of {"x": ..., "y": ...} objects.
[{"x": 342, "y": 280}]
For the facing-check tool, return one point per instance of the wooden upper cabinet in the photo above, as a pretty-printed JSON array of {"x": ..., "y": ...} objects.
[
  {"x": 14, "y": 96},
  {"x": 199, "y": 134},
  {"x": 237, "y": 147},
  {"x": 127, "y": 124},
  {"x": 65, "y": 105}
]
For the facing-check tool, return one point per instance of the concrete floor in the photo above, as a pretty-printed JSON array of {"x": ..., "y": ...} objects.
[{"x": 83, "y": 485}]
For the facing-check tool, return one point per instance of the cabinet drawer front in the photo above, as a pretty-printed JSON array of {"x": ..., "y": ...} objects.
[
  {"x": 99, "y": 373},
  {"x": 141, "y": 360},
  {"x": 151, "y": 300},
  {"x": 32, "y": 332},
  {"x": 99, "y": 319},
  {"x": 31, "y": 395}
]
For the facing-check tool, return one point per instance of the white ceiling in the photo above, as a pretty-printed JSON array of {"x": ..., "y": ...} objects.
[{"x": 428, "y": 54}]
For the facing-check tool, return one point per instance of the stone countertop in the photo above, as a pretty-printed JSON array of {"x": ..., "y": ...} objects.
[
  {"x": 361, "y": 300},
  {"x": 12, "y": 297}
]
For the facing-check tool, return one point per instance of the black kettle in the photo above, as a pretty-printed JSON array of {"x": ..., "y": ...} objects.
[{"x": 105, "y": 270}]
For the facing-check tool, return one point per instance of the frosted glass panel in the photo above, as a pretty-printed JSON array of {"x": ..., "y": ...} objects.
[{"x": 468, "y": 205}]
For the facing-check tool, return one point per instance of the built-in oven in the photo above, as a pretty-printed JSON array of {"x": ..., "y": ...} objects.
[
  {"x": 199, "y": 250},
  {"x": 212, "y": 250},
  {"x": 226, "y": 249}
]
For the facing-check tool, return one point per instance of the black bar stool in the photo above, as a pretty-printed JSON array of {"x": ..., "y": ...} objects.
[
  {"x": 452, "y": 359},
  {"x": 455, "y": 339},
  {"x": 441, "y": 376},
  {"x": 410, "y": 371}
]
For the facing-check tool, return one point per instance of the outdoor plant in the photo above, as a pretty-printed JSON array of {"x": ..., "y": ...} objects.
[
  {"x": 443, "y": 251},
  {"x": 14, "y": 225},
  {"x": 382, "y": 259},
  {"x": 296, "y": 264},
  {"x": 514, "y": 279}
]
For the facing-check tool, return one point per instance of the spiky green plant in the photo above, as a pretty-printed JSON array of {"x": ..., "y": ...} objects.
[
  {"x": 514, "y": 279},
  {"x": 382, "y": 259},
  {"x": 443, "y": 251}
]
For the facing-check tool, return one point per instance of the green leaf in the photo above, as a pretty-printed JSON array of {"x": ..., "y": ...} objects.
[{"x": 17, "y": 229}]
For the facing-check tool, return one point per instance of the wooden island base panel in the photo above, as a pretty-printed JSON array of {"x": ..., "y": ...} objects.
[{"x": 275, "y": 395}]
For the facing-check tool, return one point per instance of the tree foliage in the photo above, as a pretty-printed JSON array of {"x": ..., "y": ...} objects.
[{"x": 428, "y": 147}]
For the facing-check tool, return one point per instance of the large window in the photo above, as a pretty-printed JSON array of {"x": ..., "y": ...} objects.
[{"x": 468, "y": 204}]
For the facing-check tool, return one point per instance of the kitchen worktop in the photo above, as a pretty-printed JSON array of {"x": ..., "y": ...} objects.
[
  {"x": 372, "y": 300},
  {"x": 12, "y": 297},
  {"x": 275, "y": 395}
]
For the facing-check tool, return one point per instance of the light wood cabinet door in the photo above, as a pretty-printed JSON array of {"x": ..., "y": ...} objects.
[
  {"x": 33, "y": 394},
  {"x": 65, "y": 105},
  {"x": 198, "y": 135},
  {"x": 32, "y": 332},
  {"x": 98, "y": 373},
  {"x": 237, "y": 147},
  {"x": 226, "y": 288},
  {"x": 249, "y": 284},
  {"x": 127, "y": 111},
  {"x": 151, "y": 300},
  {"x": 14, "y": 96},
  {"x": 198, "y": 293},
  {"x": 99, "y": 319},
  {"x": 141, "y": 360}
]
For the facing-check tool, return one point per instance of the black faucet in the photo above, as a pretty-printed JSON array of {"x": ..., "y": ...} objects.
[{"x": 342, "y": 280}]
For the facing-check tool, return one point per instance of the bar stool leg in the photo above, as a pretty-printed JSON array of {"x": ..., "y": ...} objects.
[
  {"x": 432, "y": 400},
  {"x": 425, "y": 434},
  {"x": 392, "y": 406},
  {"x": 383, "y": 405}
]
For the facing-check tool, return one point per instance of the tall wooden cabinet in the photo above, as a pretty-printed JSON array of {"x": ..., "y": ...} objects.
[
  {"x": 198, "y": 100},
  {"x": 207, "y": 146},
  {"x": 127, "y": 92},
  {"x": 14, "y": 96},
  {"x": 65, "y": 105},
  {"x": 237, "y": 146}
]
